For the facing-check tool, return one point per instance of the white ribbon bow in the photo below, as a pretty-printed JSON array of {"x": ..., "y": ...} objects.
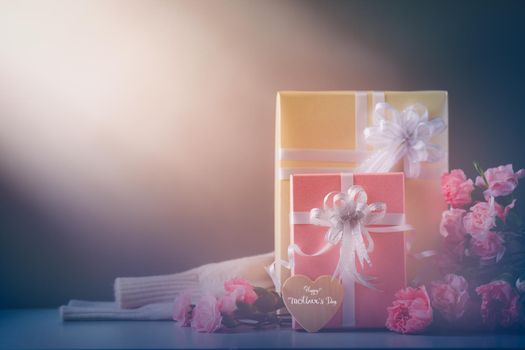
[
  {"x": 347, "y": 215},
  {"x": 402, "y": 135}
]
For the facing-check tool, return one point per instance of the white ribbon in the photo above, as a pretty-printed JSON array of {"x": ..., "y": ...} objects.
[
  {"x": 347, "y": 214},
  {"x": 403, "y": 136}
]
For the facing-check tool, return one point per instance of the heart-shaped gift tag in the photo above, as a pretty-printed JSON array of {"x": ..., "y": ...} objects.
[{"x": 312, "y": 303}]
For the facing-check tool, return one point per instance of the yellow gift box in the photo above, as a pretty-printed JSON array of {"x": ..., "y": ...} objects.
[{"x": 323, "y": 132}]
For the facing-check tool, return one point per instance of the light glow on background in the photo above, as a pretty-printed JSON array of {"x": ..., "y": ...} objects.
[{"x": 139, "y": 135}]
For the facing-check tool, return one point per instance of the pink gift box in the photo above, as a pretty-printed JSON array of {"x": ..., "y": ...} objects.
[{"x": 368, "y": 307}]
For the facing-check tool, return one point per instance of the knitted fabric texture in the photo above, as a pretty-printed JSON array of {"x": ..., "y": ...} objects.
[{"x": 133, "y": 292}]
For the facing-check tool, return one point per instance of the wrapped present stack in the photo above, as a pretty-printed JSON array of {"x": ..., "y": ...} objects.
[{"x": 334, "y": 149}]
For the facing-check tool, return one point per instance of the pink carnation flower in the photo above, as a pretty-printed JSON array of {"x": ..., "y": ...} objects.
[
  {"x": 228, "y": 303},
  {"x": 450, "y": 296},
  {"x": 182, "y": 309},
  {"x": 410, "y": 312},
  {"x": 451, "y": 227},
  {"x": 242, "y": 290},
  {"x": 456, "y": 188},
  {"x": 501, "y": 180},
  {"x": 501, "y": 211},
  {"x": 480, "y": 219},
  {"x": 206, "y": 315},
  {"x": 489, "y": 247},
  {"x": 499, "y": 304}
]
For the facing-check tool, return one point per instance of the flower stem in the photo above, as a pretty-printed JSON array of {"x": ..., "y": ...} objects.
[{"x": 481, "y": 173}]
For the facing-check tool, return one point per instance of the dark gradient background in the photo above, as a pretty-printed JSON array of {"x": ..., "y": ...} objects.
[{"x": 136, "y": 137}]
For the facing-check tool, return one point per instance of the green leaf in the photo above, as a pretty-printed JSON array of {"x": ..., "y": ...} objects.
[
  {"x": 481, "y": 173},
  {"x": 229, "y": 321},
  {"x": 260, "y": 291},
  {"x": 266, "y": 303},
  {"x": 244, "y": 310}
]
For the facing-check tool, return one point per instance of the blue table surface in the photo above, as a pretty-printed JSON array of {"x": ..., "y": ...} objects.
[{"x": 43, "y": 329}]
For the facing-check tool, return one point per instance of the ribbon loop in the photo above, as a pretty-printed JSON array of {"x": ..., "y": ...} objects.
[
  {"x": 404, "y": 135},
  {"x": 347, "y": 214}
]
